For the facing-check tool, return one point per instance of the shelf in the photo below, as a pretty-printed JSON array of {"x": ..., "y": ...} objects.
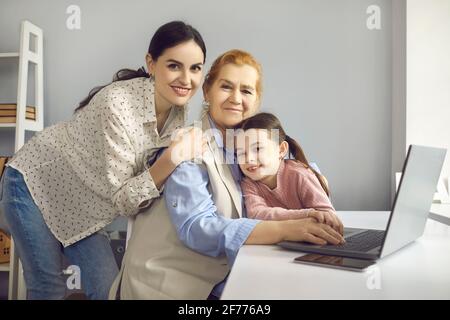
[
  {"x": 7, "y": 125},
  {"x": 9, "y": 55},
  {"x": 9, "y": 110},
  {"x": 13, "y": 124},
  {"x": 16, "y": 288},
  {"x": 4, "y": 266},
  {"x": 29, "y": 125}
]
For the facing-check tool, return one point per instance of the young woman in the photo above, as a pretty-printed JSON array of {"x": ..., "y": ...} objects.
[
  {"x": 184, "y": 245},
  {"x": 74, "y": 178},
  {"x": 275, "y": 188}
]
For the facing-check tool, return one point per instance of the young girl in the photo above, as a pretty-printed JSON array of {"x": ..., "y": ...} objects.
[{"x": 278, "y": 189}]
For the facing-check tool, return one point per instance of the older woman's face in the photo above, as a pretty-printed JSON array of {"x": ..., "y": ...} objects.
[{"x": 233, "y": 96}]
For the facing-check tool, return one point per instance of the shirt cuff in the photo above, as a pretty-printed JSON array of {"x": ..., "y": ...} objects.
[
  {"x": 143, "y": 190},
  {"x": 243, "y": 232}
]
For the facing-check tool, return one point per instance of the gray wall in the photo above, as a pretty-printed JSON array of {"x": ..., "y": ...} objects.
[{"x": 326, "y": 75}]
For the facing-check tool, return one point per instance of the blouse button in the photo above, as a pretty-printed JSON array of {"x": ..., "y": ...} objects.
[{"x": 174, "y": 204}]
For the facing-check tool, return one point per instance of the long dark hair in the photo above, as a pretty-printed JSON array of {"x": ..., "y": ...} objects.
[
  {"x": 269, "y": 121},
  {"x": 167, "y": 36}
]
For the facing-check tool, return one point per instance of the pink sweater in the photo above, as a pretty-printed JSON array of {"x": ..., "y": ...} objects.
[{"x": 298, "y": 192}]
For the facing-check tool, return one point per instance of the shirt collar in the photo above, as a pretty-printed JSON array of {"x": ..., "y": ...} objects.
[
  {"x": 216, "y": 132},
  {"x": 149, "y": 101},
  {"x": 229, "y": 154}
]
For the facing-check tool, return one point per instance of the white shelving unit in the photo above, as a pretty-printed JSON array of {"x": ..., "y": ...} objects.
[
  {"x": 4, "y": 266},
  {"x": 25, "y": 55}
]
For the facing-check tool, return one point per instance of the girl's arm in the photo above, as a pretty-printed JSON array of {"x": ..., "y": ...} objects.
[
  {"x": 312, "y": 195},
  {"x": 257, "y": 207}
]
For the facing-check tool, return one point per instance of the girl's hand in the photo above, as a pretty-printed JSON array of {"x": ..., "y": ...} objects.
[
  {"x": 329, "y": 218},
  {"x": 309, "y": 230},
  {"x": 187, "y": 144}
]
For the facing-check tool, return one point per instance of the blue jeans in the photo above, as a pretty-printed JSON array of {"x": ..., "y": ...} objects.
[{"x": 41, "y": 253}]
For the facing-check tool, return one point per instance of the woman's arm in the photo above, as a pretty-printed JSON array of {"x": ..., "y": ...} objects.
[
  {"x": 193, "y": 213},
  {"x": 183, "y": 148},
  {"x": 127, "y": 190},
  {"x": 130, "y": 192},
  {"x": 201, "y": 228},
  {"x": 307, "y": 230}
]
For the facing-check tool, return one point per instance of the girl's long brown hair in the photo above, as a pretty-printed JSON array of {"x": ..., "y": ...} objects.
[{"x": 270, "y": 122}]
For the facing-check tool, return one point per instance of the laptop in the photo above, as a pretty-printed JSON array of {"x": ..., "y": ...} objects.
[{"x": 421, "y": 171}]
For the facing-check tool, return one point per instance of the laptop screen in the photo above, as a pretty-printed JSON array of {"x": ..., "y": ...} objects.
[{"x": 421, "y": 171}]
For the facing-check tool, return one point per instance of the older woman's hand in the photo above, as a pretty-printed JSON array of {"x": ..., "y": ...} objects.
[
  {"x": 328, "y": 217},
  {"x": 187, "y": 144},
  {"x": 309, "y": 230}
]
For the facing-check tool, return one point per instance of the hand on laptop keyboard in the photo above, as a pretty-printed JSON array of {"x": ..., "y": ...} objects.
[
  {"x": 328, "y": 217},
  {"x": 309, "y": 230}
]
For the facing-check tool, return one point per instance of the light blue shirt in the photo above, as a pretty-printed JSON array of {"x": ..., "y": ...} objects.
[{"x": 193, "y": 212}]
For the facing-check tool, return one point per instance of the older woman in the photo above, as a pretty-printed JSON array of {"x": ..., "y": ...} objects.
[{"x": 183, "y": 246}]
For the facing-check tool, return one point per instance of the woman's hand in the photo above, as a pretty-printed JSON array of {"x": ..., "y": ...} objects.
[
  {"x": 309, "y": 230},
  {"x": 187, "y": 144},
  {"x": 329, "y": 218}
]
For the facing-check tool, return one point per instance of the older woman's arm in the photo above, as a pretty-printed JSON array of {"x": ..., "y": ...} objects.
[
  {"x": 201, "y": 228},
  {"x": 198, "y": 224}
]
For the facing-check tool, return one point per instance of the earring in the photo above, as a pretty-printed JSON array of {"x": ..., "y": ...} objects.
[{"x": 205, "y": 105}]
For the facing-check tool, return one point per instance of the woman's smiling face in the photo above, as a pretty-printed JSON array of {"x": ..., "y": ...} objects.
[
  {"x": 232, "y": 96},
  {"x": 178, "y": 73}
]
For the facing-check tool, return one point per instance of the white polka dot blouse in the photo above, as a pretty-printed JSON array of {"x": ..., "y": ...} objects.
[{"x": 84, "y": 172}]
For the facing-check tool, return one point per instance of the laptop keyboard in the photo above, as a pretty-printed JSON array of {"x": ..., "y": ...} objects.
[{"x": 363, "y": 242}]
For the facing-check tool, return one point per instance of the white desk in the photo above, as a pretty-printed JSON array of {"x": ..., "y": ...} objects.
[{"x": 419, "y": 271}]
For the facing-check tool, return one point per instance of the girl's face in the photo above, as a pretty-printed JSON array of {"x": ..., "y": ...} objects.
[
  {"x": 259, "y": 153},
  {"x": 178, "y": 73},
  {"x": 232, "y": 96}
]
